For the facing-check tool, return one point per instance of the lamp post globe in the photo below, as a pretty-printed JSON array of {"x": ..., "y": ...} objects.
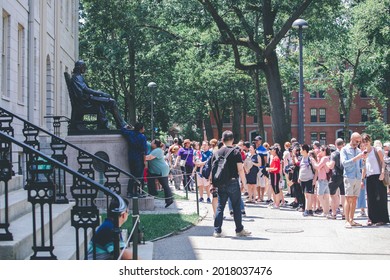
[
  {"x": 152, "y": 86},
  {"x": 300, "y": 24}
]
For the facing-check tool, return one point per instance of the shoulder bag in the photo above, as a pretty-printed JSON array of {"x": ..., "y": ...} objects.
[{"x": 386, "y": 178}]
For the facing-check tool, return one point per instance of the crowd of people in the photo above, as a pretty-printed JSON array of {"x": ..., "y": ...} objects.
[{"x": 331, "y": 181}]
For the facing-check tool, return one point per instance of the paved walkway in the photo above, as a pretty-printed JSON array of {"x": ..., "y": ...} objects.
[{"x": 276, "y": 234}]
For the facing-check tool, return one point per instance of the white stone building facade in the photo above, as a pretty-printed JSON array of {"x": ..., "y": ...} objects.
[{"x": 39, "y": 42}]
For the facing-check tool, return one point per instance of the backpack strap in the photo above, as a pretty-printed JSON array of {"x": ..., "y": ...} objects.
[
  {"x": 232, "y": 149},
  {"x": 217, "y": 157}
]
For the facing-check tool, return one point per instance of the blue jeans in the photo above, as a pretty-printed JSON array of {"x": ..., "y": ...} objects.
[
  {"x": 242, "y": 206},
  {"x": 230, "y": 190},
  {"x": 361, "y": 202}
]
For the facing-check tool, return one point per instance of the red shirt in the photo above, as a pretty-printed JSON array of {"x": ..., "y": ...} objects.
[{"x": 275, "y": 163}]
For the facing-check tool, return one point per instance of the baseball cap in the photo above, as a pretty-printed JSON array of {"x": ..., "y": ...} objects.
[{"x": 258, "y": 138}]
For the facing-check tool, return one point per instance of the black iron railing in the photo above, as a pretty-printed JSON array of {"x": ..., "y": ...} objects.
[
  {"x": 57, "y": 148},
  {"x": 40, "y": 185},
  {"x": 47, "y": 173}
]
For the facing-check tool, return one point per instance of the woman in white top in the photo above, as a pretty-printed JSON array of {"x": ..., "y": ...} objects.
[
  {"x": 287, "y": 161},
  {"x": 376, "y": 192}
]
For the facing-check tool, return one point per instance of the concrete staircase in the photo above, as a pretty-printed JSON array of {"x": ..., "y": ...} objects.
[{"x": 20, "y": 218}]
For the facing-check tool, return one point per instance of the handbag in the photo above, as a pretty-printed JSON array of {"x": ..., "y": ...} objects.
[
  {"x": 182, "y": 162},
  {"x": 248, "y": 163},
  {"x": 386, "y": 178}
]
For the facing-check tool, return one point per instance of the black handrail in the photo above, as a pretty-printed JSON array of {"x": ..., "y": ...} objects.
[
  {"x": 35, "y": 185},
  {"x": 56, "y": 140}
]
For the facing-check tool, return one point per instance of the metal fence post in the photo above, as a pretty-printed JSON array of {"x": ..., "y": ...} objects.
[{"x": 136, "y": 228}]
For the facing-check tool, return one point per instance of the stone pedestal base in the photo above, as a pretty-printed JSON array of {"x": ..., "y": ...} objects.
[
  {"x": 144, "y": 203},
  {"x": 113, "y": 147}
]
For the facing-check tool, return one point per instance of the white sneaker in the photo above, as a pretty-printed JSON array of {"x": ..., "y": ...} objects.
[
  {"x": 217, "y": 234},
  {"x": 244, "y": 232},
  {"x": 362, "y": 214}
]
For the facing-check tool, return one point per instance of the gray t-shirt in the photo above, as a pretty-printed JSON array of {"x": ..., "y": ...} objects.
[{"x": 305, "y": 170}]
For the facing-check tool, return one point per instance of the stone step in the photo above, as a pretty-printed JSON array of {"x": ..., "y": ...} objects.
[
  {"x": 65, "y": 243},
  {"x": 17, "y": 204},
  {"x": 15, "y": 183},
  {"x": 21, "y": 246}
]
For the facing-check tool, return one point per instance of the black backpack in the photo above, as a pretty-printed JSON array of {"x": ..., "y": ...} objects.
[
  {"x": 220, "y": 171},
  {"x": 206, "y": 170}
]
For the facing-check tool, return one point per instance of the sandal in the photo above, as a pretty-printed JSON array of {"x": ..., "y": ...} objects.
[
  {"x": 369, "y": 223},
  {"x": 355, "y": 224}
]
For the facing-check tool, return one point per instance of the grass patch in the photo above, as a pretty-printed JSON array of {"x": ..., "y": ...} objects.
[
  {"x": 160, "y": 194},
  {"x": 158, "y": 225}
]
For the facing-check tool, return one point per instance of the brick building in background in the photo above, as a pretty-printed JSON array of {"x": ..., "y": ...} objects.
[{"x": 322, "y": 119}]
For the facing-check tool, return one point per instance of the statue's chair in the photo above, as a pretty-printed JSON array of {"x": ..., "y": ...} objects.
[{"x": 84, "y": 115}]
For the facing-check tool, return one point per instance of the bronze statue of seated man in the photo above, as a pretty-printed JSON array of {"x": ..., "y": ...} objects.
[{"x": 86, "y": 98}]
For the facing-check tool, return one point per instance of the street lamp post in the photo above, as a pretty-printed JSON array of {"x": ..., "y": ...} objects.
[
  {"x": 152, "y": 86},
  {"x": 300, "y": 24}
]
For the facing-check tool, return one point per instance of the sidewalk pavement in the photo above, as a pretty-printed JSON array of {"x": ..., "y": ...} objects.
[
  {"x": 182, "y": 206},
  {"x": 277, "y": 234}
]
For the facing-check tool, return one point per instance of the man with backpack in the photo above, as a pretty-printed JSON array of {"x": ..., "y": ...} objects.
[
  {"x": 337, "y": 180},
  {"x": 227, "y": 169}
]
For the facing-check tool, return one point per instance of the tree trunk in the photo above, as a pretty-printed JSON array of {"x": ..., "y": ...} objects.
[
  {"x": 278, "y": 114},
  {"x": 218, "y": 119},
  {"x": 130, "y": 99},
  {"x": 236, "y": 126},
  {"x": 209, "y": 128},
  {"x": 245, "y": 113},
  {"x": 259, "y": 105}
]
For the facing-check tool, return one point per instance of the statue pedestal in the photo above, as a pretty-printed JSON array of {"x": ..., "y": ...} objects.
[{"x": 111, "y": 147}]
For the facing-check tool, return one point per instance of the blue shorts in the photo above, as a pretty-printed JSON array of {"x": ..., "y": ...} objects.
[{"x": 323, "y": 187}]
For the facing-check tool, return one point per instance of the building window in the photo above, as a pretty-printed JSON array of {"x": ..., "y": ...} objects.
[
  {"x": 4, "y": 55},
  {"x": 313, "y": 94},
  {"x": 67, "y": 14},
  {"x": 323, "y": 138},
  {"x": 20, "y": 63},
  {"x": 313, "y": 137},
  {"x": 313, "y": 115},
  {"x": 255, "y": 118},
  {"x": 364, "y": 114},
  {"x": 340, "y": 134},
  {"x": 321, "y": 94},
  {"x": 322, "y": 115},
  {"x": 363, "y": 94},
  {"x": 342, "y": 118}
]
